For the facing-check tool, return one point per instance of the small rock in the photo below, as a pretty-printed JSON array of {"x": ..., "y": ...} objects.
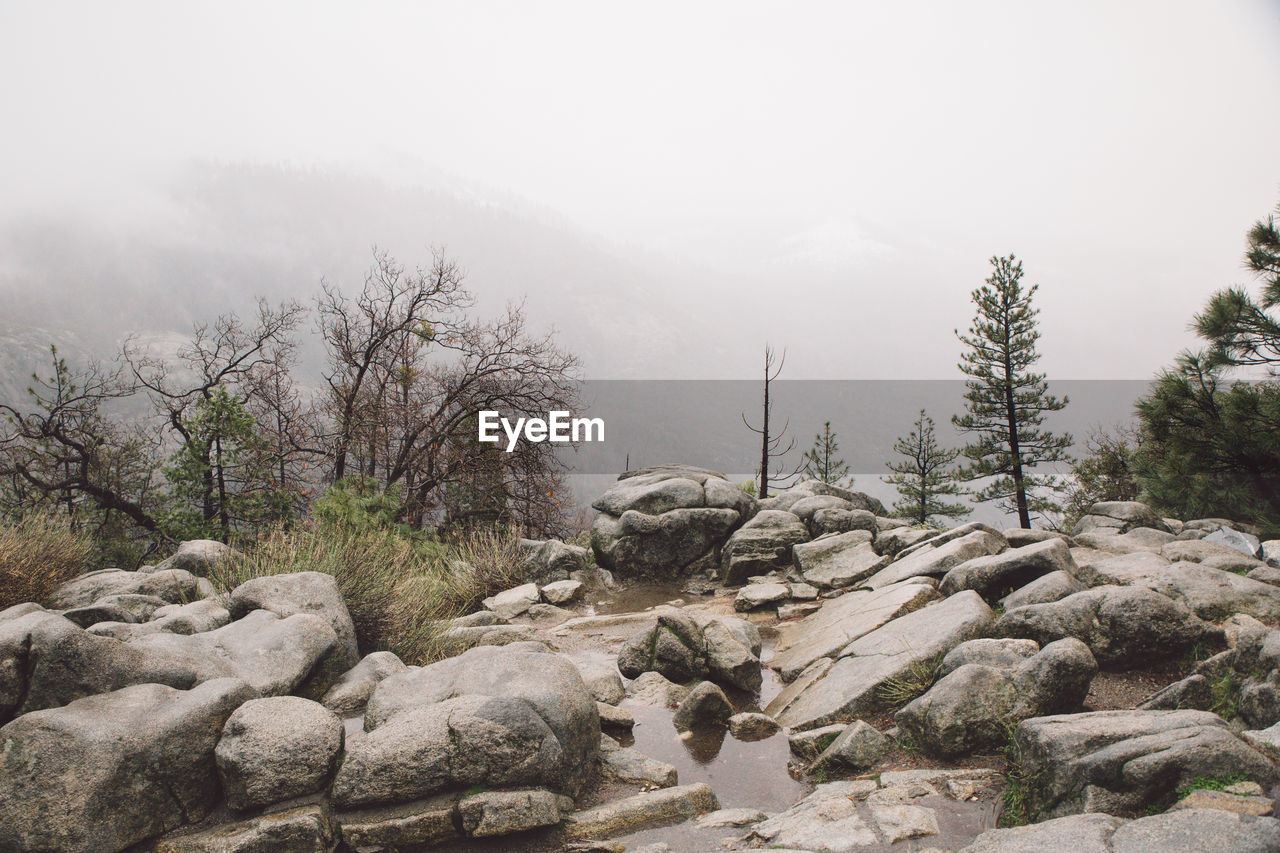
[
  {"x": 512, "y": 602},
  {"x": 859, "y": 747},
  {"x": 652, "y": 688},
  {"x": 504, "y": 812},
  {"x": 803, "y": 592},
  {"x": 548, "y": 613},
  {"x": 795, "y": 611},
  {"x": 611, "y": 716},
  {"x": 810, "y": 744},
  {"x": 706, "y": 705},
  {"x": 275, "y": 749},
  {"x": 752, "y": 726},
  {"x": 757, "y": 595},
  {"x": 561, "y": 591},
  {"x": 630, "y": 765}
]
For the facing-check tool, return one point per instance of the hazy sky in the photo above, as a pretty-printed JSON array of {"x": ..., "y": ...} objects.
[{"x": 851, "y": 163}]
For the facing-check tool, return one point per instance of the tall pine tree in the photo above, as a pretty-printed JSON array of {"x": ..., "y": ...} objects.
[
  {"x": 822, "y": 461},
  {"x": 925, "y": 475},
  {"x": 1006, "y": 401}
]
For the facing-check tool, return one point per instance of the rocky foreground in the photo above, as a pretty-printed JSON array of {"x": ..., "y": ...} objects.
[{"x": 1115, "y": 689}]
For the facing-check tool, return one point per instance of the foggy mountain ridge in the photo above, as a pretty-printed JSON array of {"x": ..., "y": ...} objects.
[{"x": 230, "y": 233}]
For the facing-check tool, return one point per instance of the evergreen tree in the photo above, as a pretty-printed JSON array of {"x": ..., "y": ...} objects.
[
  {"x": 925, "y": 475},
  {"x": 822, "y": 462},
  {"x": 1006, "y": 401},
  {"x": 220, "y": 480}
]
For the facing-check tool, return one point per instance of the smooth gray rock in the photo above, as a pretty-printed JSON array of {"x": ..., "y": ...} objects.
[
  {"x": 1245, "y": 543},
  {"x": 1212, "y": 593},
  {"x": 859, "y": 747},
  {"x": 1003, "y": 653},
  {"x": 491, "y": 813},
  {"x": 116, "y": 608},
  {"x": 306, "y": 829},
  {"x": 198, "y": 556},
  {"x": 272, "y": 655},
  {"x": 937, "y": 560},
  {"x": 1121, "y": 516},
  {"x": 312, "y": 593},
  {"x": 498, "y": 716},
  {"x": 194, "y": 618},
  {"x": 683, "y": 646},
  {"x": 995, "y": 576},
  {"x": 838, "y": 560},
  {"x": 668, "y": 521},
  {"x": 510, "y": 603},
  {"x": 552, "y": 561},
  {"x": 890, "y": 542},
  {"x": 1198, "y": 831},
  {"x": 111, "y": 770},
  {"x": 562, "y": 592},
  {"x": 426, "y": 822},
  {"x": 750, "y": 726},
  {"x": 808, "y": 745},
  {"x": 757, "y": 595},
  {"x": 1209, "y": 552},
  {"x": 602, "y": 680},
  {"x": 842, "y": 520},
  {"x": 629, "y": 765},
  {"x": 842, "y": 620},
  {"x": 760, "y": 546},
  {"x": 1086, "y": 833},
  {"x": 633, "y": 813},
  {"x": 1126, "y": 762},
  {"x": 972, "y": 708},
  {"x": 1121, "y": 625},
  {"x": 652, "y": 688},
  {"x": 852, "y": 685},
  {"x": 175, "y": 587},
  {"x": 706, "y": 705},
  {"x": 277, "y": 748},
  {"x": 46, "y": 662},
  {"x": 1050, "y": 587},
  {"x": 349, "y": 695},
  {"x": 828, "y": 819},
  {"x": 1136, "y": 541}
]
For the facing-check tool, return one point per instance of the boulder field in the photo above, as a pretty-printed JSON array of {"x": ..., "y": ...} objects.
[{"x": 1111, "y": 688}]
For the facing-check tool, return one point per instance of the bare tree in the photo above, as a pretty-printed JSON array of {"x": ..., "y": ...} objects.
[{"x": 771, "y": 444}]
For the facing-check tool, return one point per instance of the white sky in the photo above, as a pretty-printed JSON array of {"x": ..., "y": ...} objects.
[{"x": 869, "y": 155}]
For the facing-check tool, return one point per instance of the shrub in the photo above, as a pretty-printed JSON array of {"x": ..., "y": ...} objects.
[
  {"x": 400, "y": 591},
  {"x": 37, "y": 553}
]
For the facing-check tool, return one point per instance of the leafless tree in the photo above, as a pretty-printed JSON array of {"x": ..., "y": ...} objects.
[{"x": 771, "y": 443}]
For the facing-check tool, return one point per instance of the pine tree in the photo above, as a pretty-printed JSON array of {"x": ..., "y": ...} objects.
[
  {"x": 822, "y": 462},
  {"x": 1006, "y": 401},
  {"x": 925, "y": 475}
]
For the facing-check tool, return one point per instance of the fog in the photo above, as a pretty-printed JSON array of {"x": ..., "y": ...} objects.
[{"x": 670, "y": 185}]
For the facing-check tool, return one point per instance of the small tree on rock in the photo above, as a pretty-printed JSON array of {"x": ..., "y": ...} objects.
[
  {"x": 1006, "y": 401},
  {"x": 822, "y": 461},
  {"x": 925, "y": 475}
]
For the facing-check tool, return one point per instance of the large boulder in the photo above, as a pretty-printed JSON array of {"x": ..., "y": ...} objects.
[
  {"x": 686, "y": 645},
  {"x": 838, "y": 560},
  {"x": 274, "y": 656},
  {"x": 551, "y": 560},
  {"x": 47, "y": 661},
  {"x": 304, "y": 592},
  {"x": 842, "y": 620},
  {"x": 174, "y": 586},
  {"x": 1211, "y": 593},
  {"x": 760, "y": 546},
  {"x": 971, "y": 708},
  {"x": 1128, "y": 762},
  {"x": 109, "y": 771},
  {"x": 506, "y": 716},
  {"x": 275, "y": 749},
  {"x": 1123, "y": 626},
  {"x": 1050, "y": 587},
  {"x": 668, "y": 521},
  {"x": 1120, "y": 517},
  {"x": 996, "y": 575},
  {"x": 198, "y": 556},
  {"x": 854, "y": 683}
]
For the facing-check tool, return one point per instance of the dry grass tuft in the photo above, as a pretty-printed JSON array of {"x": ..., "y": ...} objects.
[
  {"x": 399, "y": 591},
  {"x": 37, "y": 554}
]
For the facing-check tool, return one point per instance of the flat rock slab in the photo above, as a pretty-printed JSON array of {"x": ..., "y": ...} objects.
[
  {"x": 308, "y": 829},
  {"x": 851, "y": 685},
  {"x": 842, "y": 620},
  {"x": 838, "y": 560},
  {"x": 633, "y": 813},
  {"x": 1126, "y": 762},
  {"x": 931, "y": 559}
]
